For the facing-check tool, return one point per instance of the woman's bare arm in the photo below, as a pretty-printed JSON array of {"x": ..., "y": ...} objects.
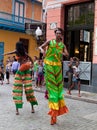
[
  {"x": 43, "y": 46},
  {"x": 9, "y": 53},
  {"x": 65, "y": 52},
  {"x": 30, "y": 58}
]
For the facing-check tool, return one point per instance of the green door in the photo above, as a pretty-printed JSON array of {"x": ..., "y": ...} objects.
[{"x": 1, "y": 51}]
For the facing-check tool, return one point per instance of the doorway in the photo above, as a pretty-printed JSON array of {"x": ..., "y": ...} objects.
[
  {"x": 25, "y": 43},
  {"x": 80, "y": 44}
]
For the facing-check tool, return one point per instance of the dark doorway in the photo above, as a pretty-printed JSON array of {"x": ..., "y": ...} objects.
[
  {"x": 79, "y": 24},
  {"x": 80, "y": 45},
  {"x": 26, "y": 44}
]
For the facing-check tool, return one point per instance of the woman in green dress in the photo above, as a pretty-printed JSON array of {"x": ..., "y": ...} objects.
[{"x": 53, "y": 74}]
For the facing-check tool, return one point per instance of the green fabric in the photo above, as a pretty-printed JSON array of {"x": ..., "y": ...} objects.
[
  {"x": 17, "y": 91},
  {"x": 35, "y": 66},
  {"x": 34, "y": 103},
  {"x": 54, "y": 51},
  {"x": 53, "y": 73},
  {"x": 28, "y": 85},
  {"x": 17, "y": 84},
  {"x": 18, "y": 88},
  {"x": 17, "y": 97},
  {"x": 19, "y": 105},
  {"x": 54, "y": 82}
]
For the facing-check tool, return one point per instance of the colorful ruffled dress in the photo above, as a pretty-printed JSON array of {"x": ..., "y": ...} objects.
[{"x": 54, "y": 79}]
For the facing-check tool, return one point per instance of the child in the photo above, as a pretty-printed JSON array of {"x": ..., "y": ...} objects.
[
  {"x": 8, "y": 70},
  {"x": 35, "y": 68},
  {"x": 1, "y": 76},
  {"x": 40, "y": 74},
  {"x": 75, "y": 78}
]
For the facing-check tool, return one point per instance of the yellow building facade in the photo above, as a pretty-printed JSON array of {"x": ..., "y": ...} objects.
[{"x": 13, "y": 16}]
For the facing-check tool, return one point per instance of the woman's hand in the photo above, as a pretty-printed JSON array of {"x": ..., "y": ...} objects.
[{"x": 42, "y": 50}]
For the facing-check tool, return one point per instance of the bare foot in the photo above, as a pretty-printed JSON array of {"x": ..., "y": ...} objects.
[
  {"x": 79, "y": 95},
  {"x": 32, "y": 110},
  {"x": 17, "y": 113},
  {"x": 69, "y": 92}
]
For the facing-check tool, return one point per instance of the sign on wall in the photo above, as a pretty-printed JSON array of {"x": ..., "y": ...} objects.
[
  {"x": 53, "y": 25},
  {"x": 85, "y": 36}
]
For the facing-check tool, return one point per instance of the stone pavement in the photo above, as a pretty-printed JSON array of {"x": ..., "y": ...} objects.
[{"x": 82, "y": 115}]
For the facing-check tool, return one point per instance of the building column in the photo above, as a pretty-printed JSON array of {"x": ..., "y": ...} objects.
[
  {"x": 95, "y": 35},
  {"x": 94, "y": 62}
]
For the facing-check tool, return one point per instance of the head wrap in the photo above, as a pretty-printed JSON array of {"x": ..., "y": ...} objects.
[{"x": 59, "y": 29}]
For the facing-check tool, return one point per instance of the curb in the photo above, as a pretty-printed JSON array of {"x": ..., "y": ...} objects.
[
  {"x": 73, "y": 97},
  {"x": 81, "y": 99}
]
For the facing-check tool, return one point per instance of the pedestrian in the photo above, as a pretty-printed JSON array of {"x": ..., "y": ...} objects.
[
  {"x": 40, "y": 74},
  {"x": 1, "y": 76},
  {"x": 75, "y": 79},
  {"x": 22, "y": 79},
  {"x": 35, "y": 69},
  {"x": 8, "y": 71},
  {"x": 53, "y": 74},
  {"x": 15, "y": 66},
  {"x": 70, "y": 72},
  {"x": 31, "y": 67}
]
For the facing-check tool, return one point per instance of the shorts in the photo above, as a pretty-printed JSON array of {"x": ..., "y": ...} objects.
[
  {"x": 74, "y": 79},
  {"x": 7, "y": 75},
  {"x": 40, "y": 77}
]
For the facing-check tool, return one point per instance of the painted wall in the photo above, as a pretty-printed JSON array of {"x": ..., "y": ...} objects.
[
  {"x": 10, "y": 38},
  {"x": 28, "y": 9},
  {"x": 38, "y": 12},
  {"x": 33, "y": 11},
  {"x": 8, "y": 7}
]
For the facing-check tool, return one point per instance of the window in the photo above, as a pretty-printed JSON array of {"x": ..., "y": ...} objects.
[
  {"x": 82, "y": 14},
  {"x": 19, "y": 11}
]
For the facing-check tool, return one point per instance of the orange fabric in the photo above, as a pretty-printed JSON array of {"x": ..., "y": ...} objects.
[
  {"x": 59, "y": 112},
  {"x": 25, "y": 66}
]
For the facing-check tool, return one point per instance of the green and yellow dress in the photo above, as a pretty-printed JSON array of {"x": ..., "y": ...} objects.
[{"x": 54, "y": 80}]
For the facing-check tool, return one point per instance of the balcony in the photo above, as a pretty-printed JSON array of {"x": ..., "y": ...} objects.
[
  {"x": 37, "y": 1},
  {"x": 14, "y": 23}
]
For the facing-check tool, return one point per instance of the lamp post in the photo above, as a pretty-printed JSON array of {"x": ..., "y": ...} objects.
[
  {"x": 38, "y": 32},
  {"x": 39, "y": 35}
]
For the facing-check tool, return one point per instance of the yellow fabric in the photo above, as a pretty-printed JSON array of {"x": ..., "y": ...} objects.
[
  {"x": 56, "y": 106},
  {"x": 52, "y": 63}
]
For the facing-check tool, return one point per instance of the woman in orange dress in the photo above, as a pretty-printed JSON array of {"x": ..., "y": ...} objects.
[{"x": 22, "y": 79}]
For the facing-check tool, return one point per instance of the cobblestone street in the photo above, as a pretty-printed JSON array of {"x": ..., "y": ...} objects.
[{"x": 81, "y": 116}]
